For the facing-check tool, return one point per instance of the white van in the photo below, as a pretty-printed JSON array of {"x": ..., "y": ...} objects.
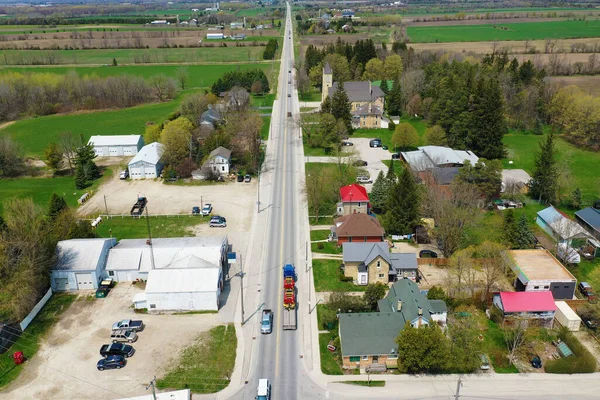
[
  {"x": 364, "y": 179},
  {"x": 264, "y": 390}
]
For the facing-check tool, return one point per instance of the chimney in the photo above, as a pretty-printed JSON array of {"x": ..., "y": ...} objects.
[
  {"x": 420, "y": 312},
  {"x": 399, "y": 305}
]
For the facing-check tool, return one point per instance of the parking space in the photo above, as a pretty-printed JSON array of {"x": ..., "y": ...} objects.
[
  {"x": 374, "y": 157},
  {"x": 65, "y": 365},
  {"x": 232, "y": 200}
]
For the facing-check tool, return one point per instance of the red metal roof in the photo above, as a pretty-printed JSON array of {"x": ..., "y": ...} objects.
[
  {"x": 527, "y": 301},
  {"x": 353, "y": 193}
]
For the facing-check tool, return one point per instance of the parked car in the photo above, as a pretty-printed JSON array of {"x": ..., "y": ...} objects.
[
  {"x": 207, "y": 209},
  {"x": 124, "y": 174},
  {"x": 195, "y": 210},
  {"x": 217, "y": 221},
  {"x": 111, "y": 362},
  {"x": 247, "y": 178},
  {"x": 123, "y": 335},
  {"x": 129, "y": 324},
  {"x": 590, "y": 323},
  {"x": 587, "y": 290},
  {"x": 240, "y": 178},
  {"x": 360, "y": 163},
  {"x": 104, "y": 288},
  {"x": 375, "y": 143},
  {"x": 384, "y": 147},
  {"x": 364, "y": 179},
  {"x": 117, "y": 349},
  {"x": 395, "y": 156},
  {"x": 485, "y": 362},
  {"x": 266, "y": 324},
  {"x": 347, "y": 143},
  {"x": 536, "y": 362},
  {"x": 428, "y": 254},
  {"x": 289, "y": 81}
]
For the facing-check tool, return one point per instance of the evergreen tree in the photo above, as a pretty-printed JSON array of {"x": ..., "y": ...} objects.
[
  {"x": 394, "y": 99},
  {"x": 84, "y": 158},
  {"x": 545, "y": 173},
  {"x": 341, "y": 106},
  {"x": 114, "y": 62},
  {"x": 510, "y": 229},
  {"x": 378, "y": 195},
  {"x": 403, "y": 206},
  {"x": 524, "y": 238},
  {"x": 384, "y": 87},
  {"x": 391, "y": 177},
  {"x": 57, "y": 204},
  {"x": 80, "y": 180},
  {"x": 576, "y": 199},
  {"x": 538, "y": 128},
  {"x": 326, "y": 106}
]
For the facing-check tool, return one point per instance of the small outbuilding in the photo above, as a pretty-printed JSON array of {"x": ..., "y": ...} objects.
[
  {"x": 80, "y": 263},
  {"x": 146, "y": 164},
  {"x": 116, "y": 145},
  {"x": 566, "y": 316}
]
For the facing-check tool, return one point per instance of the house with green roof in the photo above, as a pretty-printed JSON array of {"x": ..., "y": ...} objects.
[{"x": 369, "y": 339}]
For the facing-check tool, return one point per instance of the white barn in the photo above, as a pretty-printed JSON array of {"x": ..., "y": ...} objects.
[
  {"x": 116, "y": 145},
  {"x": 146, "y": 163},
  {"x": 80, "y": 263}
]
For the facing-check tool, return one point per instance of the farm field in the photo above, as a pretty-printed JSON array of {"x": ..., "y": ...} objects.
[
  {"x": 587, "y": 83},
  {"x": 514, "y": 31},
  {"x": 430, "y": 12},
  {"x": 135, "y": 56}
]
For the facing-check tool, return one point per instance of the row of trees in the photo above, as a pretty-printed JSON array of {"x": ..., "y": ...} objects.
[
  {"x": 245, "y": 79},
  {"x": 271, "y": 49}
]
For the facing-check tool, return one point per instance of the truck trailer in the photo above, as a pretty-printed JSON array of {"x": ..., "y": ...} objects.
[{"x": 566, "y": 316}]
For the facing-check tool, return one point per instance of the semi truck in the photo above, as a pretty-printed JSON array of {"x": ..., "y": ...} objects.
[{"x": 289, "y": 297}]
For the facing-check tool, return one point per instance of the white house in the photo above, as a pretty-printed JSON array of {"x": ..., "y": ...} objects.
[
  {"x": 146, "y": 163},
  {"x": 218, "y": 161},
  {"x": 116, "y": 145},
  {"x": 80, "y": 263}
]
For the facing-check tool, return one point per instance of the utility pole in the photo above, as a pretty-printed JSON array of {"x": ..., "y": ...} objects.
[
  {"x": 105, "y": 206},
  {"x": 458, "y": 385},
  {"x": 151, "y": 384},
  {"x": 242, "y": 286}
]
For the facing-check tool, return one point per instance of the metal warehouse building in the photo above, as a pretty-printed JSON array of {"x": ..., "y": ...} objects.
[
  {"x": 116, "y": 145},
  {"x": 80, "y": 263},
  {"x": 146, "y": 163}
]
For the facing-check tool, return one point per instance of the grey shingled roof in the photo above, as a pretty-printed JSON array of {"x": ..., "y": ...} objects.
[
  {"x": 361, "y": 252},
  {"x": 370, "y": 333},
  {"x": 220, "y": 151},
  {"x": 358, "y": 91},
  {"x": 404, "y": 260}
]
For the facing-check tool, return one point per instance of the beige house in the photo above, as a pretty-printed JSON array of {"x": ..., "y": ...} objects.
[
  {"x": 367, "y": 101},
  {"x": 366, "y": 263}
]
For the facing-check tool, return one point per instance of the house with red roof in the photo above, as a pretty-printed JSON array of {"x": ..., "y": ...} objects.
[
  {"x": 354, "y": 200},
  {"x": 527, "y": 307}
]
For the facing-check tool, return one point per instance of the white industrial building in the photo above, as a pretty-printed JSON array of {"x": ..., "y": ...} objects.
[
  {"x": 146, "y": 164},
  {"x": 131, "y": 260},
  {"x": 116, "y": 145},
  {"x": 80, "y": 263},
  {"x": 215, "y": 36}
]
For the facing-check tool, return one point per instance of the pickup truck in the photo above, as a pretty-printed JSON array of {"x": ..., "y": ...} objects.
[
  {"x": 123, "y": 335},
  {"x": 116, "y": 349},
  {"x": 138, "y": 208},
  {"x": 130, "y": 325}
]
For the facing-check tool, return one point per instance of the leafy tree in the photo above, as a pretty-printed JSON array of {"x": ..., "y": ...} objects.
[
  {"x": 394, "y": 99},
  {"x": 80, "y": 180},
  {"x": 486, "y": 175},
  {"x": 392, "y": 126},
  {"x": 67, "y": 226},
  {"x": 576, "y": 199},
  {"x": 393, "y": 67},
  {"x": 384, "y": 87},
  {"x": 339, "y": 65},
  {"x": 57, "y": 204},
  {"x": 405, "y": 136},
  {"x": 341, "y": 106},
  {"x": 465, "y": 346},
  {"x": 54, "y": 157},
  {"x": 374, "y": 293},
  {"x": 423, "y": 349},
  {"x": 11, "y": 157},
  {"x": 176, "y": 137},
  {"x": 435, "y": 136},
  {"x": 545, "y": 172},
  {"x": 152, "y": 133},
  {"x": 379, "y": 192},
  {"x": 436, "y": 293},
  {"x": 373, "y": 70},
  {"x": 403, "y": 205}
]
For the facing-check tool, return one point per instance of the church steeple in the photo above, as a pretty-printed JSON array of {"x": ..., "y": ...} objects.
[{"x": 327, "y": 81}]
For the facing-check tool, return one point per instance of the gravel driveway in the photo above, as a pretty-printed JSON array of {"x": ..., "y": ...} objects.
[{"x": 65, "y": 365}]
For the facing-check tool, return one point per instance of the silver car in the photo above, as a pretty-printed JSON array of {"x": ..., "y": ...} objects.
[{"x": 219, "y": 222}]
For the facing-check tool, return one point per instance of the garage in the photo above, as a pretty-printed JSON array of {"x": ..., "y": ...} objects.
[
  {"x": 129, "y": 151},
  {"x": 146, "y": 164},
  {"x": 84, "y": 281},
  {"x": 116, "y": 145},
  {"x": 113, "y": 151},
  {"x": 61, "y": 284}
]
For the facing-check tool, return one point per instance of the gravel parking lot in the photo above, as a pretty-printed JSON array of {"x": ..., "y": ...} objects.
[
  {"x": 232, "y": 200},
  {"x": 65, "y": 365}
]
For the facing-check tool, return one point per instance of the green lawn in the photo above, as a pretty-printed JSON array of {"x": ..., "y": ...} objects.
[
  {"x": 314, "y": 151},
  {"x": 495, "y": 347},
  {"x": 29, "y": 342},
  {"x": 264, "y": 131},
  {"x": 386, "y": 135},
  {"x": 137, "y": 56},
  {"x": 583, "y": 165},
  {"x": 326, "y": 248},
  {"x": 263, "y": 101},
  {"x": 365, "y": 383},
  {"x": 321, "y": 234},
  {"x": 512, "y": 31},
  {"x": 41, "y": 189},
  {"x": 327, "y": 275},
  {"x": 137, "y": 228},
  {"x": 313, "y": 95},
  {"x": 321, "y": 221},
  {"x": 329, "y": 361},
  {"x": 206, "y": 365}
]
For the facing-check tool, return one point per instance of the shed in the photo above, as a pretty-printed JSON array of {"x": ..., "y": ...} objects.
[
  {"x": 146, "y": 164},
  {"x": 561, "y": 228},
  {"x": 80, "y": 263},
  {"x": 116, "y": 145},
  {"x": 566, "y": 316}
]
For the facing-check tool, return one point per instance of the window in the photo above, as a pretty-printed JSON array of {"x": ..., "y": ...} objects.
[
  {"x": 381, "y": 276},
  {"x": 223, "y": 168},
  {"x": 354, "y": 358},
  {"x": 111, "y": 273},
  {"x": 378, "y": 264},
  {"x": 365, "y": 358},
  {"x": 546, "y": 287},
  {"x": 152, "y": 305},
  {"x": 566, "y": 286},
  {"x": 536, "y": 287}
]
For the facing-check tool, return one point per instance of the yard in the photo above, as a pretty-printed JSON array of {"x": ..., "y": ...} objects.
[
  {"x": 327, "y": 276},
  {"x": 320, "y": 234},
  {"x": 206, "y": 365},
  {"x": 386, "y": 135},
  {"x": 326, "y": 247},
  {"x": 495, "y": 347},
  {"x": 137, "y": 228},
  {"x": 330, "y": 362}
]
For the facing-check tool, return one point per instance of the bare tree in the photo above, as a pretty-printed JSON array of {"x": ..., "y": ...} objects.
[
  {"x": 67, "y": 142},
  {"x": 514, "y": 338},
  {"x": 11, "y": 157},
  {"x": 461, "y": 273},
  {"x": 237, "y": 99},
  {"x": 182, "y": 76},
  {"x": 495, "y": 263},
  {"x": 164, "y": 87}
]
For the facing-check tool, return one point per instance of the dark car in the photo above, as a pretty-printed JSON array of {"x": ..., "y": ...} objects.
[
  {"x": 536, "y": 362},
  {"x": 196, "y": 210},
  {"x": 428, "y": 254},
  {"x": 590, "y": 323},
  {"x": 240, "y": 178},
  {"x": 111, "y": 362},
  {"x": 347, "y": 143},
  {"x": 375, "y": 143},
  {"x": 360, "y": 163},
  {"x": 117, "y": 349},
  {"x": 395, "y": 156},
  {"x": 384, "y": 147},
  {"x": 289, "y": 95},
  {"x": 104, "y": 288}
]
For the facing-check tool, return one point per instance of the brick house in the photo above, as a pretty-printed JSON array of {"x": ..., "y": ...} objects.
[
  {"x": 357, "y": 228},
  {"x": 369, "y": 339},
  {"x": 372, "y": 262},
  {"x": 354, "y": 199}
]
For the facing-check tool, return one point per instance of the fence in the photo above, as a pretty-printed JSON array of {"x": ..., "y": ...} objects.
[
  {"x": 27, "y": 320},
  {"x": 432, "y": 261}
]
